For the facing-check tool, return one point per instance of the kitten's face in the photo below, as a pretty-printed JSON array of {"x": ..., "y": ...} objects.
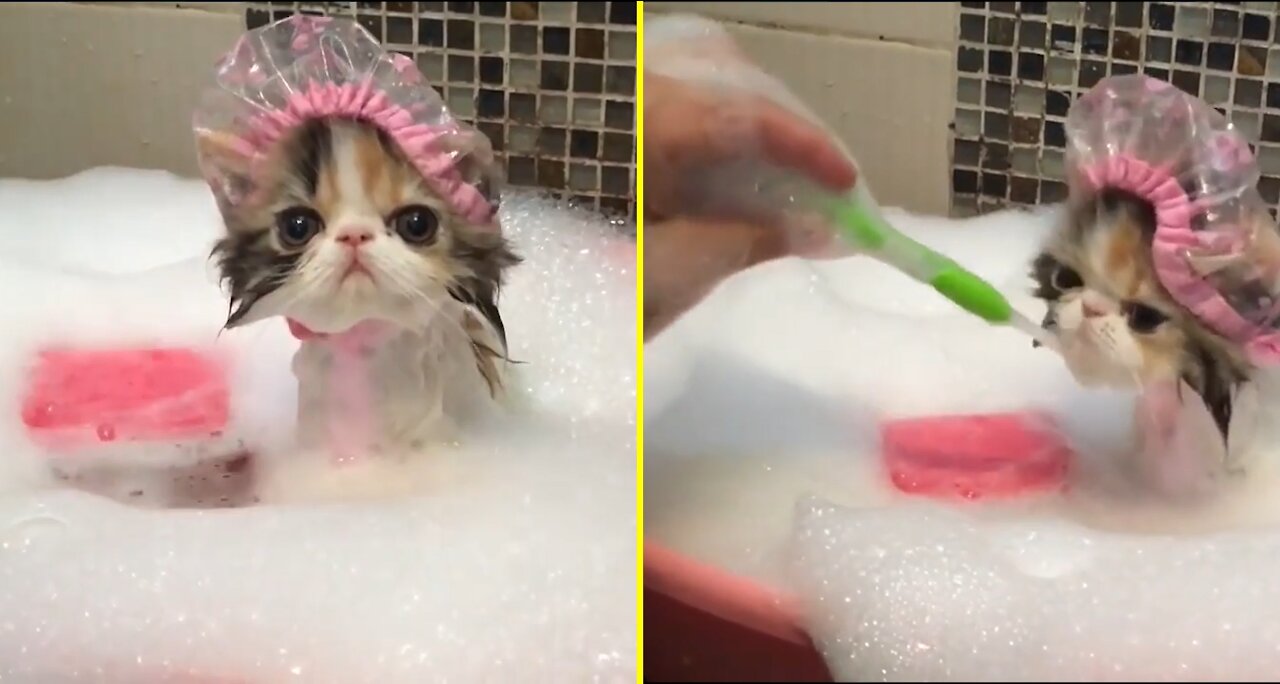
[
  {"x": 343, "y": 229},
  {"x": 1117, "y": 325}
]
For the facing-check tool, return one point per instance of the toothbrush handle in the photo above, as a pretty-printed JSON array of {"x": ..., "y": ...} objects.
[
  {"x": 882, "y": 242},
  {"x": 972, "y": 294}
]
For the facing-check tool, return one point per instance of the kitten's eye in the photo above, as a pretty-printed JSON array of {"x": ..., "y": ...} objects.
[
  {"x": 416, "y": 224},
  {"x": 1144, "y": 319},
  {"x": 1065, "y": 278},
  {"x": 298, "y": 225}
]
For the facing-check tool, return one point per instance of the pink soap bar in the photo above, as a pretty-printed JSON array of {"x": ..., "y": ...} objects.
[
  {"x": 976, "y": 456},
  {"x": 77, "y": 397}
]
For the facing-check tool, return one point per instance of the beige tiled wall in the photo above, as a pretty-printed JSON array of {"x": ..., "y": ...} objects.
[
  {"x": 880, "y": 74},
  {"x": 84, "y": 85}
]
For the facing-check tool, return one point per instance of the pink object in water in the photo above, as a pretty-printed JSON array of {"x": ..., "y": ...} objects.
[
  {"x": 976, "y": 456},
  {"x": 78, "y": 397}
]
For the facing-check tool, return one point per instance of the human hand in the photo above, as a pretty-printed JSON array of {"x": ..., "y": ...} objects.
[
  {"x": 689, "y": 131},
  {"x": 700, "y": 227}
]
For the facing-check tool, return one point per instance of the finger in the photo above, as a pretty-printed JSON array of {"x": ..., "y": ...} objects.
[
  {"x": 790, "y": 141},
  {"x": 704, "y": 133},
  {"x": 685, "y": 259}
]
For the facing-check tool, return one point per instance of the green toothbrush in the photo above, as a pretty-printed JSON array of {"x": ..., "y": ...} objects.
[{"x": 872, "y": 235}]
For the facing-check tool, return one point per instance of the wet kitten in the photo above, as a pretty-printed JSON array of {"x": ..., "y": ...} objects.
[
  {"x": 1116, "y": 322},
  {"x": 344, "y": 230}
]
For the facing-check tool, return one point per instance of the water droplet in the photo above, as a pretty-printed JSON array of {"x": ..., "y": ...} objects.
[{"x": 106, "y": 433}]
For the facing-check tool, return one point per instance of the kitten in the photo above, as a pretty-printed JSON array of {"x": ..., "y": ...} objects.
[
  {"x": 1117, "y": 324},
  {"x": 342, "y": 231}
]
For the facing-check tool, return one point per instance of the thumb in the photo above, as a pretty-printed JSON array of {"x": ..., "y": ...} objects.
[{"x": 686, "y": 258}]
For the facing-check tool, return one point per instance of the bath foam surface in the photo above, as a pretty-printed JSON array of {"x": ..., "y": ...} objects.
[
  {"x": 514, "y": 558},
  {"x": 925, "y": 593},
  {"x": 778, "y": 384},
  {"x": 773, "y": 393}
]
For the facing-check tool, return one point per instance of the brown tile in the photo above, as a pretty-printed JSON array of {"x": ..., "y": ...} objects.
[
  {"x": 588, "y": 78},
  {"x": 619, "y": 115},
  {"x": 523, "y": 107},
  {"x": 995, "y": 156},
  {"x": 591, "y": 12},
  {"x": 1053, "y": 191},
  {"x": 551, "y": 174},
  {"x": 524, "y": 11},
  {"x": 1271, "y": 128},
  {"x": 584, "y": 144},
  {"x": 1025, "y": 130},
  {"x": 618, "y": 147},
  {"x": 620, "y": 80},
  {"x": 589, "y": 43},
  {"x": 494, "y": 132},
  {"x": 1023, "y": 190},
  {"x": 521, "y": 171},
  {"x": 552, "y": 141},
  {"x": 1251, "y": 61},
  {"x": 615, "y": 180},
  {"x": 966, "y": 153},
  {"x": 1000, "y": 31},
  {"x": 1126, "y": 46}
]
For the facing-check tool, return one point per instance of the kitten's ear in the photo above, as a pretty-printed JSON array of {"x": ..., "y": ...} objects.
[{"x": 225, "y": 164}]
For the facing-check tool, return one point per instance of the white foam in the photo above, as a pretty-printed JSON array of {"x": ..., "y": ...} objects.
[
  {"x": 932, "y": 594},
  {"x": 771, "y": 392},
  {"x": 515, "y": 557}
]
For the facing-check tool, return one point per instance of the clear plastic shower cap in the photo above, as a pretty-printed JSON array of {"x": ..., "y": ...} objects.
[
  {"x": 284, "y": 74},
  {"x": 1216, "y": 249}
]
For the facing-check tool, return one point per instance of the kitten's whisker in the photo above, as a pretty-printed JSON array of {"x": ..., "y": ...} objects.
[
  {"x": 407, "y": 285},
  {"x": 417, "y": 293},
  {"x": 303, "y": 281}
]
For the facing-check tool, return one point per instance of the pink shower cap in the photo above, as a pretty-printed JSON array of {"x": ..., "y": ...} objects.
[
  {"x": 281, "y": 75},
  {"x": 1216, "y": 249}
]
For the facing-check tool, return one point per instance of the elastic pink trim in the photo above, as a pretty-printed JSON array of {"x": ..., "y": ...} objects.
[
  {"x": 1169, "y": 250},
  {"x": 364, "y": 102}
]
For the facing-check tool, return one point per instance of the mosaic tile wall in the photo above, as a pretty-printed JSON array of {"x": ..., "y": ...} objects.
[
  {"x": 1021, "y": 64},
  {"x": 552, "y": 84}
]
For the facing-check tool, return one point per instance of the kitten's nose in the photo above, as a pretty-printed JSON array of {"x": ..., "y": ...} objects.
[
  {"x": 354, "y": 236},
  {"x": 1091, "y": 310}
]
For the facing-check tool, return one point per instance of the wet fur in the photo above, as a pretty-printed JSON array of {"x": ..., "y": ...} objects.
[
  {"x": 443, "y": 294},
  {"x": 1106, "y": 240}
]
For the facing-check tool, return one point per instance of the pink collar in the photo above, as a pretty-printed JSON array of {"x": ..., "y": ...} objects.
[
  {"x": 302, "y": 332},
  {"x": 361, "y": 335}
]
